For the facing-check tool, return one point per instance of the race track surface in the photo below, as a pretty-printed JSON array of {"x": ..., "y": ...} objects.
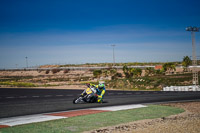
[{"x": 17, "y": 102}]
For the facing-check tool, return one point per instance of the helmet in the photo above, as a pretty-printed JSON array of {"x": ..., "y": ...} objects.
[{"x": 101, "y": 86}]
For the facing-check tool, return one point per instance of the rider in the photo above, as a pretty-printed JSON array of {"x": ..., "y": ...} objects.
[{"x": 100, "y": 91}]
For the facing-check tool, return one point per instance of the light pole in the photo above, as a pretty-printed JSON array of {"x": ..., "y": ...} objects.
[
  {"x": 26, "y": 62},
  {"x": 113, "y": 54},
  {"x": 194, "y": 58}
]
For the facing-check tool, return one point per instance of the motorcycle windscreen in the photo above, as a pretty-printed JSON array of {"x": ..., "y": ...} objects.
[{"x": 88, "y": 91}]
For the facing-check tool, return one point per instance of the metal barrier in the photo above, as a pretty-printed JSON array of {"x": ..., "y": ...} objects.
[
  {"x": 182, "y": 88},
  {"x": 74, "y": 68}
]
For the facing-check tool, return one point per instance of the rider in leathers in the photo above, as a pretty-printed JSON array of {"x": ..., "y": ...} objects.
[{"x": 100, "y": 91}]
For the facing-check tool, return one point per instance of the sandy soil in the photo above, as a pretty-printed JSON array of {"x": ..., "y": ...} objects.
[
  {"x": 187, "y": 122},
  {"x": 73, "y": 79},
  {"x": 59, "y": 80}
]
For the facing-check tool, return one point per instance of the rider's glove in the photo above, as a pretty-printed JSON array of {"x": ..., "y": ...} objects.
[{"x": 99, "y": 96}]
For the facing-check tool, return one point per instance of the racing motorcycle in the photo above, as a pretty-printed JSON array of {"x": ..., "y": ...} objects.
[{"x": 87, "y": 96}]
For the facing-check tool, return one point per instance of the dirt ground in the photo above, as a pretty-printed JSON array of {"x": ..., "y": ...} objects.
[
  {"x": 59, "y": 80},
  {"x": 186, "y": 122},
  {"x": 72, "y": 79}
]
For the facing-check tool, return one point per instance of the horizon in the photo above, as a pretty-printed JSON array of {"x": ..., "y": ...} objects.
[
  {"x": 80, "y": 32},
  {"x": 106, "y": 63}
]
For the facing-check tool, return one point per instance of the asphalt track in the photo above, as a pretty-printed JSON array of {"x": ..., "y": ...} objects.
[{"x": 18, "y": 102}]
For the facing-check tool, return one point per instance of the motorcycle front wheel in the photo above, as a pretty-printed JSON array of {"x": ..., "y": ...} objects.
[{"x": 78, "y": 100}]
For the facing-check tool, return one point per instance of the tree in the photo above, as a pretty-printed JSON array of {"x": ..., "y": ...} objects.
[
  {"x": 149, "y": 71},
  {"x": 186, "y": 62},
  {"x": 131, "y": 72},
  {"x": 168, "y": 67},
  {"x": 136, "y": 72},
  {"x": 126, "y": 71}
]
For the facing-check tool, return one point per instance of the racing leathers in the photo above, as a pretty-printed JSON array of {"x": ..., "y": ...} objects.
[{"x": 100, "y": 93}]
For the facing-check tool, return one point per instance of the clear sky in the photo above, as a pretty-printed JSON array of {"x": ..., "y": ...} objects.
[{"x": 82, "y": 31}]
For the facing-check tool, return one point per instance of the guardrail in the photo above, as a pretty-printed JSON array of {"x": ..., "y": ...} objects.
[
  {"x": 182, "y": 88},
  {"x": 81, "y": 68}
]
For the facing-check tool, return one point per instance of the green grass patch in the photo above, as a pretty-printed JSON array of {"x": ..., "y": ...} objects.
[
  {"x": 94, "y": 121},
  {"x": 18, "y": 84},
  {"x": 14, "y": 78},
  {"x": 48, "y": 85}
]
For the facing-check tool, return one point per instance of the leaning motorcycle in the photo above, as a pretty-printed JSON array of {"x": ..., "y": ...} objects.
[{"x": 88, "y": 96}]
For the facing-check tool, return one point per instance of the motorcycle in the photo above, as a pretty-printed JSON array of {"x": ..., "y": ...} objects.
[{"x": 87, "y": 96}]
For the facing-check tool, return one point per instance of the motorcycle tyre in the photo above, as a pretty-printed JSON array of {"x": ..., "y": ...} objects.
[{"x": 74, "y": 101}]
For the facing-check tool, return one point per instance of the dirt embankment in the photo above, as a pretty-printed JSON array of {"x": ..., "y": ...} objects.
[
  {"x": 48, "y": 79},
  {"x": 55, "y": 78},
  {"x": 187, "y": 122}
]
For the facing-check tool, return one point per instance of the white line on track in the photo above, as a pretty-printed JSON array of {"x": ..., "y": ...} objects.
[
  {"x": 59, "y": 95},
  {"x": 35, "y": 96},
  {"x": 10, "y": 97},
  {"x": 48, "y": 96},
  {"x": 23, "y": 97},
  {"x": 120, "y": 93},
  {"x": 128, "y": 93},
  {"x": 110, "y": 93},
  {"x": 119, "y": 107},
  {"x": 13, "y": 121}
]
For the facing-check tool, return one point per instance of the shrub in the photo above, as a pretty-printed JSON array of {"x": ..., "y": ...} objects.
[
  {"x": 117, "y": 75},
  {"x": 97, "y": 73},
  {"x": 132, "y": 72},
  {"x": 55, "y": 70},
  {"x": 47, "y": 71}
]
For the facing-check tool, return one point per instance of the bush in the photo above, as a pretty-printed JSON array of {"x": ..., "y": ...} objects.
[
  {"x": 55, "y": 70},
  {"x": 97, "y": 73},
  {"x": 47, "y": 71},
  {"x": 132, "y": 72},
  {"x": 117, "y": 75},
  {"x": 113, "y": 71}
]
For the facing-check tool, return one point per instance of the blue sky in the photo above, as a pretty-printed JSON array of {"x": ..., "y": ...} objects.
[{"x": 82, "y": 31}]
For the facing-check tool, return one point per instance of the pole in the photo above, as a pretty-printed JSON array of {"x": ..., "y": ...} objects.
[
  {"x": 113, "y": 54},
  {"x": 26, "y": 62},
  {"x": 194, "y": 61}
]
